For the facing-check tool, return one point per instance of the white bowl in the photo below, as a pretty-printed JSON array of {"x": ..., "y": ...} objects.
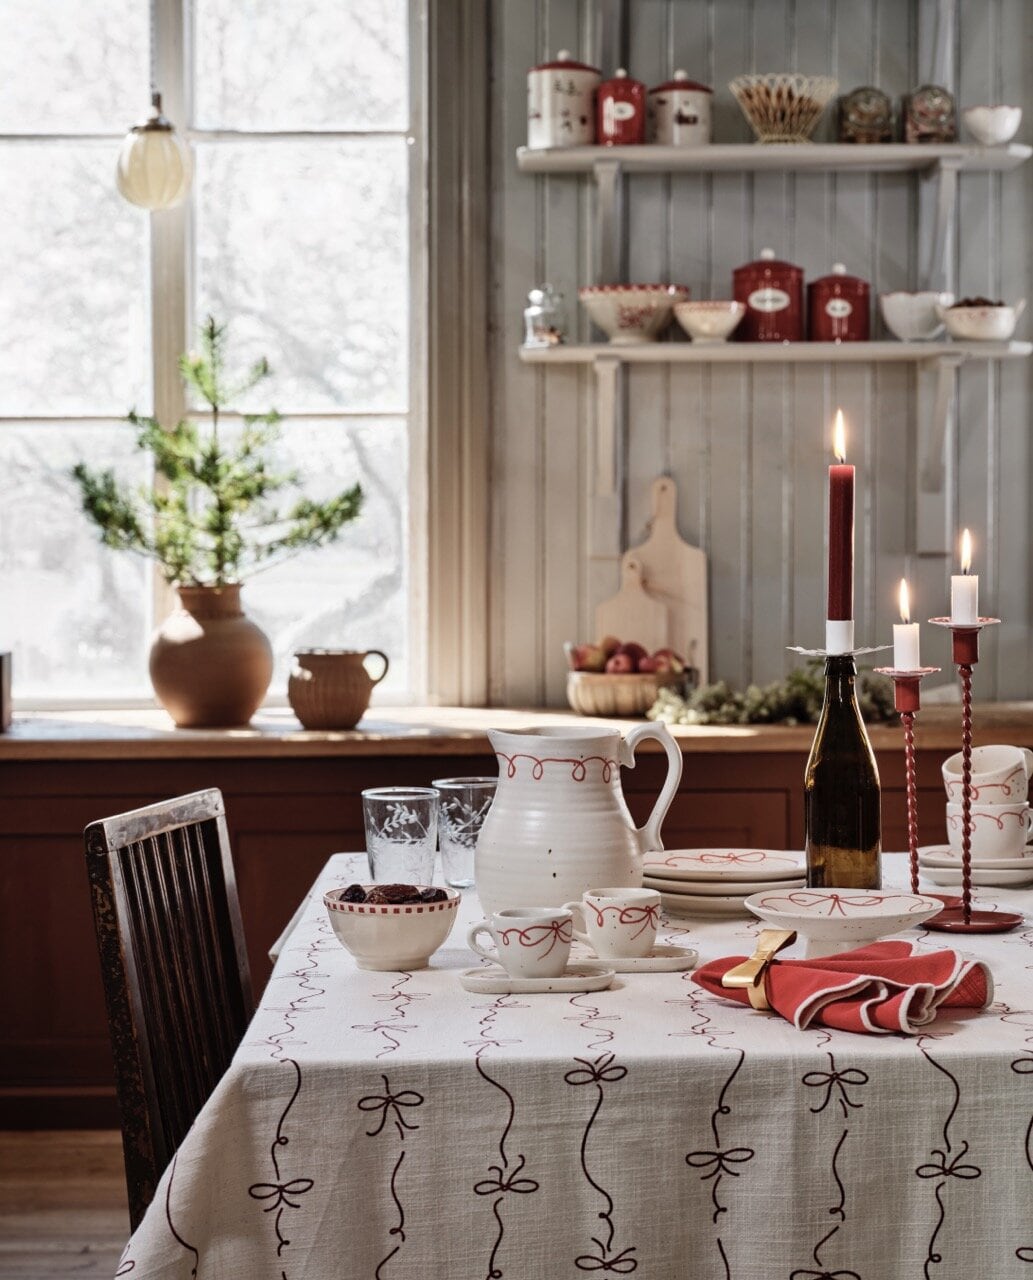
[
  {"x": 912, "y": 317},
  {"x": 392, "y": 937},
  {"x": 709, "y": 321},
  {"x": 834, "y": 920},
  {"x": 631, "y": 313},
  {"x": 992, "y": 126},
  {"x": 982, "y": 324}
]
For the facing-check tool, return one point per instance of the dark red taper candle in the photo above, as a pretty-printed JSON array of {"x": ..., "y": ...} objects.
[{"x": 841, "y": 532}]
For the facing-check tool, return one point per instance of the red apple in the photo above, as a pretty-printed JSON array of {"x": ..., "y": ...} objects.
[
  {"x": 634, "y": 651},
  {"x": 646, "y": 665},
  {"x": 609, "y": 645},
  {"x": 668, "y": 661},
  {"x": 589, "y": 657},
  {"x": 620, "y": 664}
]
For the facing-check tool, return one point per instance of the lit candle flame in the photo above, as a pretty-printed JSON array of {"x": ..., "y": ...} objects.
[
  {"x": 966, "y": 551},
  {"x": 905, "y": 602},
  {"x": 839, "y": 437}
]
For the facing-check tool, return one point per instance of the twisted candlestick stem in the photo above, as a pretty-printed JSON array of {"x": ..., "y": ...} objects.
[
  {"x": 965, "y": 671},
  {"x": 908, "y": 721}
]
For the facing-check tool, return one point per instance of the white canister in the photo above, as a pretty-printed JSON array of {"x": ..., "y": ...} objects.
[
  {"x": 561, "y": 103},
  {"x": 680, "y": 113}
]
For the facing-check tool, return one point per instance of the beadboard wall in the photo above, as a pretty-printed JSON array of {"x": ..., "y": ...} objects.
[{"x": 748, "y": 446}]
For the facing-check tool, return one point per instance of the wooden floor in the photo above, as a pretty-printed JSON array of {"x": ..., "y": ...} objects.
[{"x": 62, "y": 1204}]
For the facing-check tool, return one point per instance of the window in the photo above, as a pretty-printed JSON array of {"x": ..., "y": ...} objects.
[{"x": 299, "y": 233}]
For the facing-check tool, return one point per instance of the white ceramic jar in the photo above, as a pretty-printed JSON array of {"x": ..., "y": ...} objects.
[
  {"x": 679, "y": 112},
  {"x": 561, "y": 103}
]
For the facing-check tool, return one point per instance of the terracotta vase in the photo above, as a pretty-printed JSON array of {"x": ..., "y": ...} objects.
[
  {"x": 331, "y": 688},
  {"x": 210, "y": 665}
]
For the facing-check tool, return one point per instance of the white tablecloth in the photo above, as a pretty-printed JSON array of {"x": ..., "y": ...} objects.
[{"x": 396, "y": 1127}]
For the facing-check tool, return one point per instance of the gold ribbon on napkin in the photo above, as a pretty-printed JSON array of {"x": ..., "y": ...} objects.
[{"x": 750, "y": 974}]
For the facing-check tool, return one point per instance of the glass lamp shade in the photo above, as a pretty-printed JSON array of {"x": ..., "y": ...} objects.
[{"x": 155, "y": 165}]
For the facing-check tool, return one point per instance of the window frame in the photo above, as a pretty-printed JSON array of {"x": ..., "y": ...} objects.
[{"x": 447, "y": 410}]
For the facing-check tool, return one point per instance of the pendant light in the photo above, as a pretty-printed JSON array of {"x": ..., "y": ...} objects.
[{"x": 154, "y": 166}]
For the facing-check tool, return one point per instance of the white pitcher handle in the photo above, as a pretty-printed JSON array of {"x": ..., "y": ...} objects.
[{"x": 649, "y": 835}]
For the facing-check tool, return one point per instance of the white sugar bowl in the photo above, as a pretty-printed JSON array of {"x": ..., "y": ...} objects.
[
  {"x": 992, "y": 126},
  {"x": 914, "y": 317}
]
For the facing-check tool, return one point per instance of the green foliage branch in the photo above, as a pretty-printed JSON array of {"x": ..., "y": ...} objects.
[
  {"x": 211, "y": 517},
  {"x": 795, "y": 700}
]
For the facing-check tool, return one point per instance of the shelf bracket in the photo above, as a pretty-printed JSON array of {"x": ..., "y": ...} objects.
[
  {"x": 937, "y": 385},
  {"x": 607, "y": 391},
  {"x": 608, "y": 213},
  {"x": 946, "y": 177}
]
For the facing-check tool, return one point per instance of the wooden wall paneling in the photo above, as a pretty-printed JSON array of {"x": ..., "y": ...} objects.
[
  {"x": 1013, "y": 215},
  {"x": 519, "y": 41},
  {"x": 700, "y": 228}
]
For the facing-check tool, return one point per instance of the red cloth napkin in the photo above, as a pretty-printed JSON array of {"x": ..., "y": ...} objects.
[{"x": 885, "y": 987}]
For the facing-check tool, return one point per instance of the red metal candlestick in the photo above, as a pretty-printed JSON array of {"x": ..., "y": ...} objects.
[
  {"x": 965, "y": 646},
  {"x": 907, "y": 700}
]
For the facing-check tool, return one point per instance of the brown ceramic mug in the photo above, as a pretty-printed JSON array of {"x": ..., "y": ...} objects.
[{"x": 331, "y": 688}]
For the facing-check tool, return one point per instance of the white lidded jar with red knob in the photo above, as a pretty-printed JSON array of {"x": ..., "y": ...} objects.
[
  {"x": 679, "y": 112},
  {"x": 561, "y": 103}
]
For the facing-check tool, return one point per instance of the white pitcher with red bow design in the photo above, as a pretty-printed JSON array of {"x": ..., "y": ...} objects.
[{"x": 559, "y": 823}]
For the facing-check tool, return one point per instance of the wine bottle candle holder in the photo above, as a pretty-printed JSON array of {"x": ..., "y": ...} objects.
[
  {"x": 963, "y": 919},
  {"x": 907, "y": 701}
]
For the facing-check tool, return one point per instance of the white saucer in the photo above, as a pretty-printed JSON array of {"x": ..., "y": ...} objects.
[
  {"x": 712, "y": 888},
  {"x": 1013, "y": 877},
  {"x": 723, "y": 864},
  {"x": 495, "y": 981},
  {"x": 662, "y": 959},
  {"x": 690, "y": 904},
  {"x": 942, "y": 855}
]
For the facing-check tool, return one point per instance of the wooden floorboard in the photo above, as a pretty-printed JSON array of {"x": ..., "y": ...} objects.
[{"x": 63, "y": 1206}]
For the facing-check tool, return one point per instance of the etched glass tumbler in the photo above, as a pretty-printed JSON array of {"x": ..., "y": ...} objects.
[
  {"x": 464, "y": 806},
  {"x": 401, "y": 833}
]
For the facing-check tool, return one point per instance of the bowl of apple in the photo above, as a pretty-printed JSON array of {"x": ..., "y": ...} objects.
[{"x": 612, "y": 678}]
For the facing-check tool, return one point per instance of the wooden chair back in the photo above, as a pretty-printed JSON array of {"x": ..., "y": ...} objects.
[{"x": 175, "y": 970}]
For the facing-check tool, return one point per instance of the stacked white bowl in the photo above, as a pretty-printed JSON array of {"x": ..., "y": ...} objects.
[
  {"x": 714, "y": 883},
  {"x": 1001, "y": 820}
]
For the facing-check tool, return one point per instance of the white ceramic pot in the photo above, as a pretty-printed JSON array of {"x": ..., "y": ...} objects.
[
  {"x": 631, "y": 313},
  {"x": 679, "y": 112},
  {"x": 561, "y": 103},
  {"x": 992, "y": 126},
  {"x": 559, "y": 824},
  {"x": 913, "y": 317}
]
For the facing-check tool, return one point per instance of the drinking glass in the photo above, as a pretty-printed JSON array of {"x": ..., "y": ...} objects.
[
  {"x": 464, "y": 805},
  {"x": 401, "y": 833}
]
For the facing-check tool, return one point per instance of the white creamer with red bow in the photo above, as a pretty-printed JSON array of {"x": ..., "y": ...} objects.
[{"x": 559, "y": 823}]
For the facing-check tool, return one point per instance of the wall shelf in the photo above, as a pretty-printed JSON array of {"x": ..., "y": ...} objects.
[
  {"x": 775, "y": 353},
  {"x": 890, "y": 157}
]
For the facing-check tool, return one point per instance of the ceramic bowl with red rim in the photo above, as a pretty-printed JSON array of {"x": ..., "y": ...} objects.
[
  {"x": 395, "y": 937},
  {"x": 834, "y": 920},
  {"x": 631, "y": 313},
  {"x": 709, "y": 322},
  {"x": 723, "y": 864}
]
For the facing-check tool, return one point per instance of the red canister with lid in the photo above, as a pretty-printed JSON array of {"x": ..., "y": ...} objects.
[
  {"x": 772, "y": 292},
  {"x": 620, "y": 110},
  {"x": 838, "y": 309}
]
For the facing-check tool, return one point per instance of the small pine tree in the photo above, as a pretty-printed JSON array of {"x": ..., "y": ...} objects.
[{"x": 210, "y": 519}]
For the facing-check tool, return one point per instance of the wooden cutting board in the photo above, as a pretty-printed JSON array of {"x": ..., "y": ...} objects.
[
  {"x": 675, "y": 573},
  {"x": 633, "y": 613}
]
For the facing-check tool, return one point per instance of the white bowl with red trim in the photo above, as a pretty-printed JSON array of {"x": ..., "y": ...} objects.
[
  {"x": 709, "y": 321},
  {"x": 396, "y": 938},
  {"x": 834, "y": 920},
  {"x": 631, "y": 313}
]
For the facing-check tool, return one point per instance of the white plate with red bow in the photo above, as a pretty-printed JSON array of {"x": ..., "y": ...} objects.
[{"x": 755, "y": 865}]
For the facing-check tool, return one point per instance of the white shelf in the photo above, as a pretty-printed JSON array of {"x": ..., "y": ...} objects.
[
  {"x": 890, "y": 157},
  {"x": 774, "y": 352}
]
